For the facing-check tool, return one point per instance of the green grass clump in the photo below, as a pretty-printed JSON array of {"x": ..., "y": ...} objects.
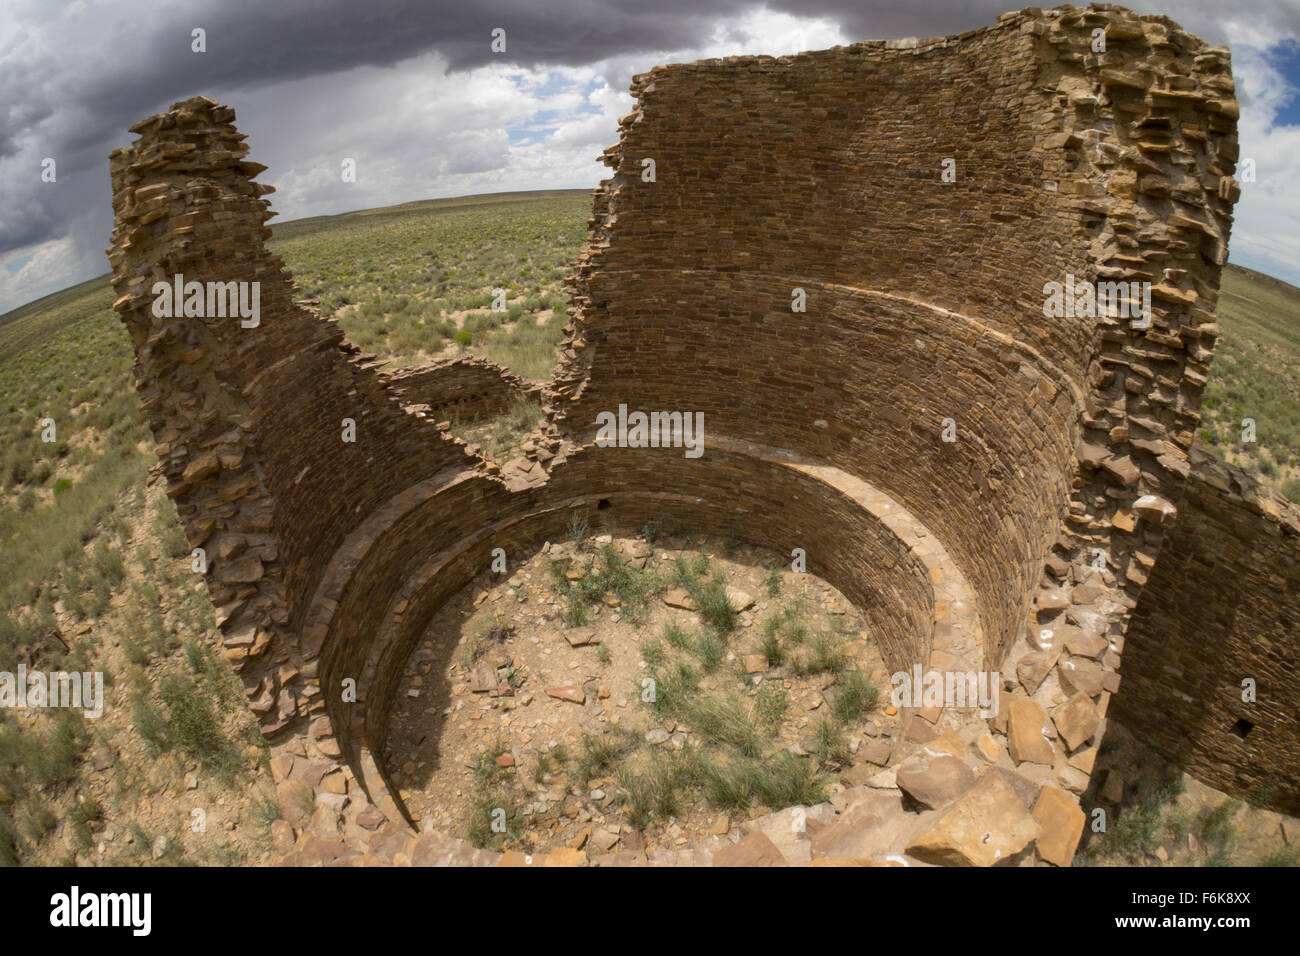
[
  {"x": 772, "y": 581},
  {"x": 770, "y": 647},
  {"x": 34, "y": 764},
  {"x": 677, "y": 636},
  {"x": 603, "y": 574},
  {"x": 708, "y": 591},
  {"x": 192, "y": 726},
  {"x": 653, "y": 789},
  {"x": 825, "y": 655},
  {"x": 710, "y": 647},
  {"x": 856, "y": 696},
  {"x": 600, "y": 753},
  {"x": 778, "y": 780},
  {"x": 495, "y": 815},
  {"x": 577, "y": 530},
  {"x": 770, "y": 704},
  {"x": 1138, "y": 829}
]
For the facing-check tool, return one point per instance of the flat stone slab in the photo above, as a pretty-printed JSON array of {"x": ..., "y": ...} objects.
[{"x": 986, "y": 826}]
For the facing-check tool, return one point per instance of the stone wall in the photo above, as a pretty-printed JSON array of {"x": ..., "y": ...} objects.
[
  {"x": 250, "y": 421},
  {"x": 461, "y": 389},
  {"x": 1222, "y": 606},
  {"x": 822, "y": 172}
]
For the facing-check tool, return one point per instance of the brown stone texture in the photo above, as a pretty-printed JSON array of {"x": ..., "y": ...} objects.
[
  {"x": 1222, "y": 606},
  {"x": 461, "y": 389},
  {"x": 1025, "y": 722},
  {"x": 988, "y": 825},
  {"x": 1061, "y": 823},
  {"x": 824, "y": 428}
]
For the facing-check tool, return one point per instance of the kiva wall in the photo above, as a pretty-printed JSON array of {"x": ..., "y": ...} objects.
[{"x": 1222, "y": 607}]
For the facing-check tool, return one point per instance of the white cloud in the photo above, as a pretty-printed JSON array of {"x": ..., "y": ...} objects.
[
  {"x": 1264, "y": 233},
  {"x": 418, "y": 131},
  {"x": 36, "y": 271}
]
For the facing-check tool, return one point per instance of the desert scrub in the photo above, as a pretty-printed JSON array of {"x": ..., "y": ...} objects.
[
  {"x": 495, "y": 815},
  {"x": 603, "y": 576}
]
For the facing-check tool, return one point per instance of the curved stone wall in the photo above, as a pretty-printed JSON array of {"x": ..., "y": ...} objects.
[
  {"x": 462, "y": 389},
  {"x": 865, "y": 381},
  {"x": 426, "y": 551},
  {"x": 924, "y": 298}
]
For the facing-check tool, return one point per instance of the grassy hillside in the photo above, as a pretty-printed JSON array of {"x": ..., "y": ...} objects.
[
  {"x": 414, "y": 282},
  {"x": 1256, "y": 374},
  {"x": 94, "y": 569}
]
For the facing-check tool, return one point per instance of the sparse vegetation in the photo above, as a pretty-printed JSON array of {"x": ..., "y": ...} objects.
[
  {"x": 411, "y": 283},
  {"x": 604, "y": 576},
  {"x": 1255, "y": 375}
]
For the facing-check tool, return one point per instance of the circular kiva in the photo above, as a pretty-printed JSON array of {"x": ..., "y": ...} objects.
[
  {"x": 883, "y": 381},
  {"x": 880, "y": 556}
]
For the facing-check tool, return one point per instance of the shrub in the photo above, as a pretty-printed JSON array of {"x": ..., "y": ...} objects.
[
  {"x": 711, "y": 648},
  {"x": 856, "y": 695},
  {"x": 773, "y": 582}
]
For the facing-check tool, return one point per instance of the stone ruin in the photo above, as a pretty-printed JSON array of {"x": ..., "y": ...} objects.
[{"x": 1070, "y": 538}]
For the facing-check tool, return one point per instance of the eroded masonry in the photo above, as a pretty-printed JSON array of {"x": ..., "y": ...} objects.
[{"x": 1068, "y": 537}]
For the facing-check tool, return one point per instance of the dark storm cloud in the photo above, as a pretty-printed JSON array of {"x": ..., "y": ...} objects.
[
  {"x": 73, "y": 78},
  {"x": 110, "y": 76},
  {"x": 253, "y": 43},
  {"x": 145, "y": 62}
]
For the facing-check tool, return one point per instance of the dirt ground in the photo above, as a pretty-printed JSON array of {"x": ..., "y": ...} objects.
[{"x": 502, "y": 725}]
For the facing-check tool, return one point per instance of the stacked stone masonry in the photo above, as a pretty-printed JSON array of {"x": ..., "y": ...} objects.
[
  {"x": 461, "y": 389},
  {"x": 924, "y": 308}
]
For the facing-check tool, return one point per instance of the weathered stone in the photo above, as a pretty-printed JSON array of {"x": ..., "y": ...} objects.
[
  {"x": 1033, "y": 667},
  {"x": 296, "y": 802},
  {"x": 679, "y": 597},
  {"x": 1086, "y": 645},
  {"x": 754, "y": 850},
  {"x": 1112, "y": 788},
  {"x": 569, "y": 692},
  {"x": 1025, "y": 740},
  {"x": 581, "y": 636},
  {"x": 986, "y": 826},
  {"x": 934, "y": 783},
  {"x": 1079, "y": 675},
  {"x": 1157, "y": 510},
  {"x": 1076, "y": 720},
  {"x": 1061, "y": 823},
  {"x": 876, "y": 752},
  {"x": 739, "y": 600}
]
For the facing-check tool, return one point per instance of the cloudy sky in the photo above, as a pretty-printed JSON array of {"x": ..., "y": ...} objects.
[{"x": 413, "y": 92}]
